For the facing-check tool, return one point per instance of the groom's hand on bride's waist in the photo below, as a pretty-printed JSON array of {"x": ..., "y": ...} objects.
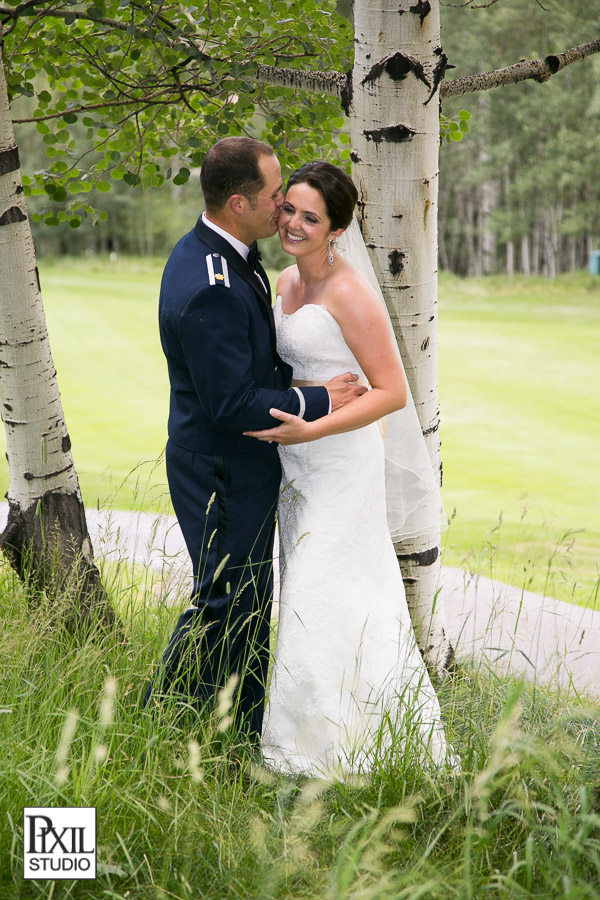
[{"x": 343, "y": 389}]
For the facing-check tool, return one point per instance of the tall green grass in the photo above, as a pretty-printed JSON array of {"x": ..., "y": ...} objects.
[{"x": 184, "y": 812}]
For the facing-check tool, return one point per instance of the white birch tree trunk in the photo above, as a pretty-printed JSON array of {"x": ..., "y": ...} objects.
[
  {"x": 525, "y": 261},
  {"x": 510, "y": 245},
  {"x": 394, "y": 134},
  {"x": 46, "y": 535}
]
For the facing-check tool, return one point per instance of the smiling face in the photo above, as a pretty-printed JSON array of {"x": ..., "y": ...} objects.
[{"x": 304, "y": 226}]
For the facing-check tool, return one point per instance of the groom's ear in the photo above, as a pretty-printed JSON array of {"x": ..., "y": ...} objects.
[{"x": 237, "y": 204}]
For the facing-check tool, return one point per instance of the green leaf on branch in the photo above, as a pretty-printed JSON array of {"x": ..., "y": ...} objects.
[{"x": 182, "y": 176}]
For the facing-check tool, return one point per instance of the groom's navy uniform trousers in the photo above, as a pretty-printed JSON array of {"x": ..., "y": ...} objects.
[{"x": 218, "y": 334}]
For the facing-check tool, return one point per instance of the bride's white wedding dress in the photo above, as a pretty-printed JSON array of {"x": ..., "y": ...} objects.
[{"x": 348, "y": 680}]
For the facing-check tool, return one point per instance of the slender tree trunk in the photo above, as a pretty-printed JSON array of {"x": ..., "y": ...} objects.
[
  {"x": 550, "y": 248},
  {"x": 471, "y": 236},
  {"x": 395, "y": 160},
  {"x": 510, "y": 258},
  {"x": 510, "y": 244},
  {"x": 46, "y": 536},
  {"x": 536, "y": 244},
  {"x": 525, "y": 258}
]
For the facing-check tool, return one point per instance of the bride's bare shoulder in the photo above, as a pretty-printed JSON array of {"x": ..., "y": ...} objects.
[
  {"x": 350, "y": 286},
  {"x": 286, "y": 279}
]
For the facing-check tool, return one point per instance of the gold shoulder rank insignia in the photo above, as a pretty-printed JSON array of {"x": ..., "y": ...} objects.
[{"x": 214, "y": 277}]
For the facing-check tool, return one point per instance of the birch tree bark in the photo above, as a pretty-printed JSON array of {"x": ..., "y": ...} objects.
[
  {"x": 46, "y": 535},
  {"x": 394, "y": 134},
  {"x": 525, "y": 257}
]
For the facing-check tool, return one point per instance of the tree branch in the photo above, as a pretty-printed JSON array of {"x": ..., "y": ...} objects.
[
  {"x": 537, "y": 69},
  {"x": 332, "y": 83}
]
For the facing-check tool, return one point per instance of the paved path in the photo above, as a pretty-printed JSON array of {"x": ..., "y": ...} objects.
[{"x": 506, "y": 628}]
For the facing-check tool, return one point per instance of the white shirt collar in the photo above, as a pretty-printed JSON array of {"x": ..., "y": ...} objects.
[{"x": 238, "y": 245}]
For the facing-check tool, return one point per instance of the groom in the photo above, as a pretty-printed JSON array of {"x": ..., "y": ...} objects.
[{"x": 218, "y": 335}]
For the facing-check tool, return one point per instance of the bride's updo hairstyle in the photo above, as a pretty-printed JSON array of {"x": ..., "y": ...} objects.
[{"x": 334, "y": 185}]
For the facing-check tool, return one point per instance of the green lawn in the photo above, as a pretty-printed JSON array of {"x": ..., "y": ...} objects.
[{"x": 518, "y": 374}]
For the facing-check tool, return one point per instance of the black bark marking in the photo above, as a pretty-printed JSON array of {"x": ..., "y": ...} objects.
[
  {"x": 347, "y": 92},
  {"x": 66, "y": 443},
  {"x": 450, "y": 661},
  {"x": 37, "y": 278},
  {"x": 425, "y": 344},
  {"x": 398, "y": 216},
  {"x": 360, "y": 205},
  {"x": 422, "y": 9},
  {"x": 12, "y": 215},
  {"x": 398, "y": 66},
  {"x": 8, "y": 407},
  {"x": 553, "y": 63},
  {"x": 19, "y": 189},
  {"x": 424, "y": 558},
  {"x": 396, "y": 258},
  {"x": 394, "y": 134},
  {"x": 439, "y": 71},
  {"x": 431, "y": 430},
  {"x": 9, "y": 161},
  {"x": 354, "y": 157},
  {"x": 16, "y": 343},
  {"x": 29, "y": 477}
]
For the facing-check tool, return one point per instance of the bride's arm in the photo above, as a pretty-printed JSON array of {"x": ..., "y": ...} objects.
[{"x": 367, "y": 331}]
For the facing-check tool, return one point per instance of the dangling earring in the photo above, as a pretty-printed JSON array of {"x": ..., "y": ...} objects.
[{"x": 330, "y": 252}]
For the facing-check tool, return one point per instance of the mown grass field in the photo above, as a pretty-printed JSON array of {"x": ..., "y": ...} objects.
[
  {"x": 519, "y": 369},
  {"x": 518, "y": 376}
]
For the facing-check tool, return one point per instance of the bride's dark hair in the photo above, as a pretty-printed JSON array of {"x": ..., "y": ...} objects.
[{"x": 335, "y": 186}]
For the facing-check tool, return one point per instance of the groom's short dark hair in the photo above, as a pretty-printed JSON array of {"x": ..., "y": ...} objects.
[{"x": 231, "y": 166}]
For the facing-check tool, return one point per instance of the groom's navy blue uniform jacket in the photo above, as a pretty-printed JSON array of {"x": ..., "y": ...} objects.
[{"x": 218, "y": 334}]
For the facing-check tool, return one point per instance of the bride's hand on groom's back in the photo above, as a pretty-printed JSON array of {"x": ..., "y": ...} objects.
[{"x": 343, "y": 389}]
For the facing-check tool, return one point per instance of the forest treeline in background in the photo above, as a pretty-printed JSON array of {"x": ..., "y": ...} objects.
[{"x": 520, "y": 193}]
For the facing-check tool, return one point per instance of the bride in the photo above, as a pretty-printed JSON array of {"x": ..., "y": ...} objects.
[{"x": 348, "y": 683}]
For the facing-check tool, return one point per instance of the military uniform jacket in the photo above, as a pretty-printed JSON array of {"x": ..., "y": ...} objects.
[{"x": 218, "y": 334}]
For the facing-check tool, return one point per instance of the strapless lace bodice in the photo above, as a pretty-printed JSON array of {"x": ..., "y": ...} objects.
[{"x": 311, "y": 341}]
